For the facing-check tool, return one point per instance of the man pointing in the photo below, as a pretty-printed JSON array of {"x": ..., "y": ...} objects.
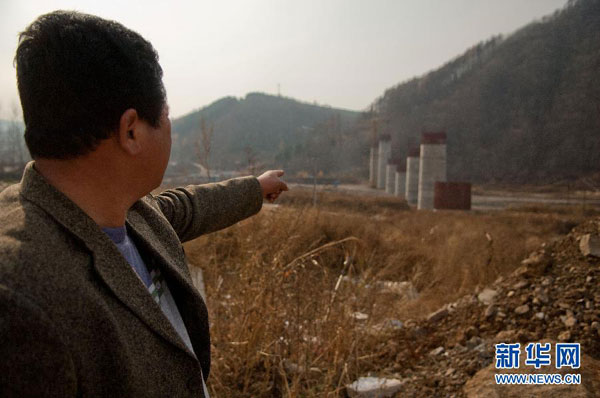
[{"x": 96, "y": 299}]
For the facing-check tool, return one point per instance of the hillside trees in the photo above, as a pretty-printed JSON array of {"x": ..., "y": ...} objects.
[
  {"x": 275, "y": 128},
  {"x": 203, "y": 145},
  {"x": 518, "y": 109}
]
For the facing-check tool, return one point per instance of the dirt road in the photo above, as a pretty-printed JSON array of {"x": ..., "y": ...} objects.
[{"x": 496, "y": 200}]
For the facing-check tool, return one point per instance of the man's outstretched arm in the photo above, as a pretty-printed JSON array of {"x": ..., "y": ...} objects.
[{"x": 198, "y": 209}]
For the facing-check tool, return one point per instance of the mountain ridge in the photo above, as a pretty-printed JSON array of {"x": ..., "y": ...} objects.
[
  {"x": 262, "y": 123},
  {"x": 517, "y": 108}
]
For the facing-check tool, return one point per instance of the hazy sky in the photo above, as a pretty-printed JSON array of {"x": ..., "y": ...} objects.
[{"x": 343, "y": 53}]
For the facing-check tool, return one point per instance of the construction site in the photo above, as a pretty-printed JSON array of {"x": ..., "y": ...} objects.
[{"x": 421, "y": 177}]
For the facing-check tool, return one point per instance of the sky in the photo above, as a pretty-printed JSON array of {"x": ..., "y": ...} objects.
[{"x": 342, "y": 53}]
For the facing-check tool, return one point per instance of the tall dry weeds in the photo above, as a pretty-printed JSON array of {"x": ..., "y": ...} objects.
[{"x": 284, "y": 321}]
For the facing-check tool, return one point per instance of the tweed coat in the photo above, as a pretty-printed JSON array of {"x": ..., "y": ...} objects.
[{"x": 75, "y": 319}]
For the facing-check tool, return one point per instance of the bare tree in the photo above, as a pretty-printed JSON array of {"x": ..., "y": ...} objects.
[
  {"x": 203, "y": 145},
  {"x": 322, "y": 145},
  {"x": 251, "y": 159},
  {"x": 15, "y": 137},
  {"x": 12, "y": 158}
]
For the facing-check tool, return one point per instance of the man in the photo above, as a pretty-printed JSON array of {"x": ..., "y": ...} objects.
[{"x": 95, "y": 295}]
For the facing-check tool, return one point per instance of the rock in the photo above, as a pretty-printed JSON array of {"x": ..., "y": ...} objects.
[
  {"x": 522, "y": 271},
  {"x": 374, "y": 387},
  {"x": 482, "y": 384},
  {"x": 589, "y": 279},
  {"x": 510, "y": 294},
  {"x": 487, "y": 296},
  {"x": 438, "y": 315},
  {"x": 437, "y": 351},
  {"x": 505, "y": 335},
  {"x": 540, "y": 315},
  {"x": 543, "y": 297},
  {"x": 471, "y": 368},
  {"x": 360, "y": 316},
  {"x": 521, "y": 285},
  {"x": 490, "y": 311},
  {"x": 522, "y": 309},
  {"x": 420, "y": 332},
  {"x": 405, "y": 289},
  {"x": 471, "y": 332},
  {"x": 291, "y": 367},
  {"x": 432, "y": 381},
  {"x": 564, "y": 336},
  {"x": 589, "y": 245},
  {"x": 385, "y": 326},
  {"x": 570, "y": 321},
  {"x": 395, "y": 324},
  {"x": 547, "y": 281},
  {"x": 474, "y": 342},
  {"x": 536, "y": 264}
]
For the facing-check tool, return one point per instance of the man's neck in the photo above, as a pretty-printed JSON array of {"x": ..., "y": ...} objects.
[{"x": 95, "y": 189}]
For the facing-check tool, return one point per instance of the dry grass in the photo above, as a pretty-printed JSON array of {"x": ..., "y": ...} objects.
[
  {"x": 281, "y": 328},
  {"x": 5, "y": 183},
  {"x": 577, "y": 210},
  {"x": 340, "y": 201}
]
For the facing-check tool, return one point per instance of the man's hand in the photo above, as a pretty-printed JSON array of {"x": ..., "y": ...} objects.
[{"x": 271, "y": 185}]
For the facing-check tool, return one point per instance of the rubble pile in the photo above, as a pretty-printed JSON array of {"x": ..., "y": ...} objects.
[{"x": 553, "y": 296}]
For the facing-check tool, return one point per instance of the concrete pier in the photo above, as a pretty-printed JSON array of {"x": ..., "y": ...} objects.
[
  {"x": 385, "y": 151},
  {"x": 412, "y": 176},
  {"x": 432, "y": 167}
]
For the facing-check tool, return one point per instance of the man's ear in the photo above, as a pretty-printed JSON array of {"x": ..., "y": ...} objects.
[{"x": 128, "y": 135}]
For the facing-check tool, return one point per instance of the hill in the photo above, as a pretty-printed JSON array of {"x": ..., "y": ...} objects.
[
  {"x": 517, "y": 109},
  {"x": 268, "y": 130}
]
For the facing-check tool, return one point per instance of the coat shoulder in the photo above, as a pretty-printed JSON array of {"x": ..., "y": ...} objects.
[{"x": 33, "y": 246}]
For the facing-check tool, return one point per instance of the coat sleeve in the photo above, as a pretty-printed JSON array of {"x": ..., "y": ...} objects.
[
  {"x": 198, "y": 209},
  {"x": 34, "y": 360}
]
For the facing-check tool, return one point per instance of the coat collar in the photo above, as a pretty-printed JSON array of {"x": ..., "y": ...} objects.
[{"x": 108, "y": 262}]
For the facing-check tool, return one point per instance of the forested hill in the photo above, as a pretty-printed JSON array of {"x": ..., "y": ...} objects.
[
  {"x": 516, "y": 109},
  {"x": 274, "y": 131}
]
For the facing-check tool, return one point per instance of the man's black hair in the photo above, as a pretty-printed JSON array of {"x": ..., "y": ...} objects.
[{"x": 77, "y": 74}]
